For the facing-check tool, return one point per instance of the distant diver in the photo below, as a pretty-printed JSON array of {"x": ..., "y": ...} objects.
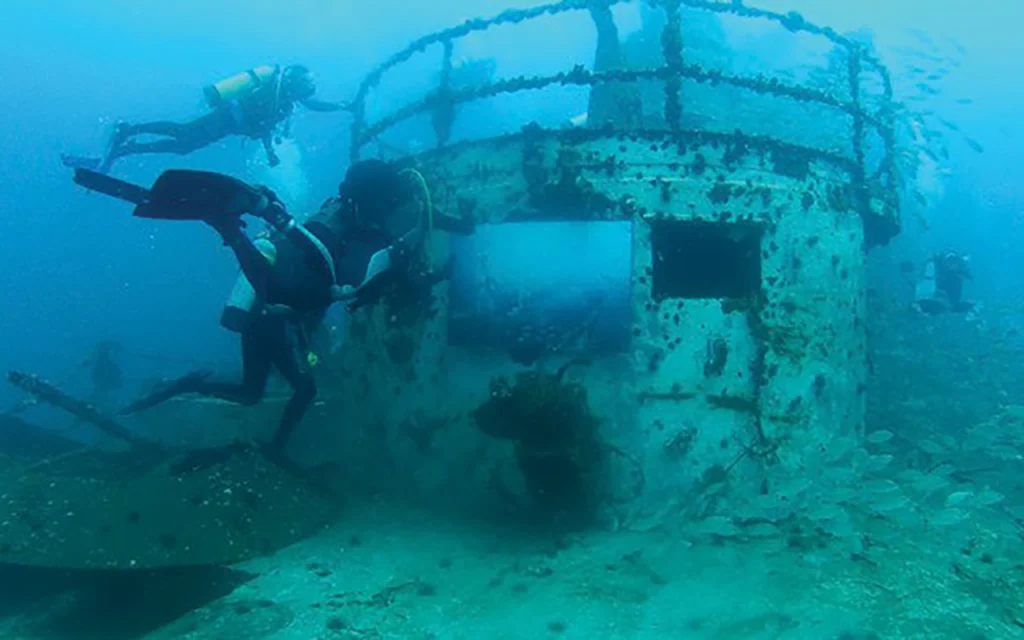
[
  {"x": 253, "y": 104},
  {"x": 360, "y": 245},
  {"x": 104, "y": 368},
  {"x": 940, "y": 288}
]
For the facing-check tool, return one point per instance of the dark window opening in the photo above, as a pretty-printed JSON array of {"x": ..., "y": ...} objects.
[{"x": 694, "y": 259}]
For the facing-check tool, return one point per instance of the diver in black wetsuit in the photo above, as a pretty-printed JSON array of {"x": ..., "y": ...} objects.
[
  {"x": 940, "y": 289},
  {"x": 354, "y": 253},
  {"x": 252, "y": 104}
]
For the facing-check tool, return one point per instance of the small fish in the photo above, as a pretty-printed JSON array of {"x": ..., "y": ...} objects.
[
  {"x": 762, "y": 530},
  {"x": 977, "y": 441},
  {"x": 793, "y": 489},
  {"x": 843, "y": 495},
  {"x": 578, "y": 121},
  {"x": 878, "y": 463},
  {"x": 988, "y": 497},
  {"x": 960, "y": 49},
  {"x": 974, "y": 145},
  {"x": 910, "y": 475},
  {"x": 929, "y": 484},
  {"x": 839, "y": 448},
  {"x": 965, "y": 101},
  {"x": 890, "y": 502},
  {"x": 930, "y": 447},
  {"x": 920, "y": 36},
  {"x": 840, "y": 527},
  {"x": 952, "y": 126},
  {"x": 958, "y": 498},
  {"x": 826, "y": 511},
  {"x": 1005, "y": 452},
  {"x": 878, "y": 487},
  {"x": 878, "y": 437},
  {"x": 718, "y": 526},
  {"x": 948, "y": 517}
]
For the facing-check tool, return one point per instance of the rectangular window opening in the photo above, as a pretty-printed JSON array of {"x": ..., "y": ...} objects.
[
  {"x": 705, "y": 260},
  {"x": 535, "y": 289}
]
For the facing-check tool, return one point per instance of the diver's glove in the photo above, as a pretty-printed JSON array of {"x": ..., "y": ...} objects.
[
  {"x": 385, "y": 267},
  {"x": 273, "y": 210}
]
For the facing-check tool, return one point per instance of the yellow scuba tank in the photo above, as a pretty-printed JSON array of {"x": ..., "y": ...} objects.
[
  {"x": 240, "y": 85},
  {"x": 238, "y": 309}
]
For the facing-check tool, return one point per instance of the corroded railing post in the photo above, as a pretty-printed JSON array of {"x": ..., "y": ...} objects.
[
  {"x": 444, "y": 110},
  {"x": 672, "y": 49},
  {"x": 860, "y": 179},
  {"x": 358, "y": 110},
  {"x": 887, "y": 129}
]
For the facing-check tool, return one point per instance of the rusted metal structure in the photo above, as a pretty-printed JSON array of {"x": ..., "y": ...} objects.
[{"x": 760, "y": 367}]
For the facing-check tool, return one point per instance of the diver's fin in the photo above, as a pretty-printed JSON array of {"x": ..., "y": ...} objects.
[
  {"x": 81, "y": 162},
  {"x": 185, "y": 384},
  {"x": 184, "y": 194},
  {"x": 102, "y": 183}
]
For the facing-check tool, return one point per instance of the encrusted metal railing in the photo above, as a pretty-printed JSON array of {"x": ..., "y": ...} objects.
[{"x": 443, "y": 101}]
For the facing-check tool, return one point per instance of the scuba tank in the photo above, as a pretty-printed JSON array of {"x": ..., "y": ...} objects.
[
  {"x": 240, "y": 85},
  {"x": 926, "y": 288},
  {"x": 239, "y": 307}
]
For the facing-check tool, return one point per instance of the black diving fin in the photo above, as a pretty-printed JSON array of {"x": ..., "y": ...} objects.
[
  {"x": 102, "y": 183},
  {"x": 187, "y": 383},
  {"x": 183, "y": 194},
  {"x": 179, "y": 194}
]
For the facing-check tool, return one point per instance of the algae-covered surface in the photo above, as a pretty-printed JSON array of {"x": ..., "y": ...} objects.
[
  {"x": 93, "y": 510},
  {"x": 387, "y": 572}
]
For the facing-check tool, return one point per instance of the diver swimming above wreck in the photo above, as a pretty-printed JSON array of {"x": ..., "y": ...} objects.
[{"x": 256, "y": 104}]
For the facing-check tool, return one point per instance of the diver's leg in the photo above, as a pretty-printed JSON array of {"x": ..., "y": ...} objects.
[
  {"x": 181, "y": 138},
  {"x": 256, "y": 363},
  {"x": 291, "y": 360},
  {"x": 186, "y": 384},
  {"x": 257, "y": 359},
  {"x": 160, "y": 128}
]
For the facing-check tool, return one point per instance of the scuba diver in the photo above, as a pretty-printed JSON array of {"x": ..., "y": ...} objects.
[
  {"x": 253, "y": 104},
  {"x": 941, "y": 288},
  {"x": 105, "y": 367},
  {"x": 360, "y": 245}
]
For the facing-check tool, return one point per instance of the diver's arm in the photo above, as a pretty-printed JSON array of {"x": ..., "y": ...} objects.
[
  {"x": 274, "y": 213},
  {"x": 385, "y": 267},
  {"x": 324, "y": 106},
  {"x": 268, "y": 147},
  {"x": 254, "y": 264}
]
